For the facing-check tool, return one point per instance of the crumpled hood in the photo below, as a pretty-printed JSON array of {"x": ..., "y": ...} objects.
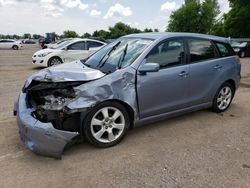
[{"x": 73, "y": 71}]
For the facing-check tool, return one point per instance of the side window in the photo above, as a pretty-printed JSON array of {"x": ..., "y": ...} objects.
[
  {"x": 201, "y": 49},
  {"x": 77, "y": 46},
  {"x": 94, "y": 44},
  {"x": 167, "y": 54},
  {"x": 224, "y": 49}
]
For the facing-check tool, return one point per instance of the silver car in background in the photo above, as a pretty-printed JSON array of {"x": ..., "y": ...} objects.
[{"x": 137, "y": 79}]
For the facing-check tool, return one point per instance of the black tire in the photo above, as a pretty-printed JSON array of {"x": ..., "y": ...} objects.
[
  {"x": 52, "y": 61},
  {"x": 215, "y": 106},
  {"x": 242, "y": 54},
  {"x": 15, "y": 47},
  {"x": 87, "y": 127}
]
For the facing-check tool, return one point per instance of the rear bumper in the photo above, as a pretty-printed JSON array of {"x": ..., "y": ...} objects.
[{"x": 41, "y": 138}]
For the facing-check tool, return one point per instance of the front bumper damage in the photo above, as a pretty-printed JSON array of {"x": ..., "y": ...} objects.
[
  {"x": 41, "y": 138},
  {"x": 54, "y": 102}
]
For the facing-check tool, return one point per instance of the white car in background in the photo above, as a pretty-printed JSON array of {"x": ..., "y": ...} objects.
[
  {"x": 10, "y": 44},
  {"x": 52, "y": 45},
  {"x": 67, "y": 51}
]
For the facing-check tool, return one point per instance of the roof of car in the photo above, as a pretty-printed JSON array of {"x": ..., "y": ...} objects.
[
  {"x": 84, "y": 39},
  {"x": 159, "y": 35}
]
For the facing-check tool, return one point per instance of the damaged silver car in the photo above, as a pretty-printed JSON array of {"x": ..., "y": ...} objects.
[{"x": 136, "y": 79}]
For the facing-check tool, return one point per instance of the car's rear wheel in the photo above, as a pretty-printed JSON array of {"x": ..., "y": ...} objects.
[
  {"x": 15, "y": 47},
  {"x": 223, "y": 98},
  {"x": 106, "y": 124},
  {"x": 54, "y": 61}
]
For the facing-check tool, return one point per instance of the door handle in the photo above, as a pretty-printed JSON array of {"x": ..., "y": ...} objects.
[
  {"x": 217, "y": 67},
  {"x": 183, "y": 74}
]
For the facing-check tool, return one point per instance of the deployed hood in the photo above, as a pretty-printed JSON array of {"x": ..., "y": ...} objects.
[{"x": 67, "y": 72}]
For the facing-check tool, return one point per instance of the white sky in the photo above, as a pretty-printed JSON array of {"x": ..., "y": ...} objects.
[{"x": 41, "y": 16}]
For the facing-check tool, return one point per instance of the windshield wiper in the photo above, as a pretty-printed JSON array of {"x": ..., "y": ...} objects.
[
  {"x": 122, "y": 57},
  {"x": 101, "y": 64}
]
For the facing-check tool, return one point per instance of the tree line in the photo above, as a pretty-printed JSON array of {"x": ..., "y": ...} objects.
[
  {"x": 198, "y": 16},
  {"x": 203, "y": 17},
  {"x": 116, "y": 31}
]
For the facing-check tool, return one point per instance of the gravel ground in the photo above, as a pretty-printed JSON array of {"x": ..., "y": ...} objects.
[{"x": 199, "y": 149}]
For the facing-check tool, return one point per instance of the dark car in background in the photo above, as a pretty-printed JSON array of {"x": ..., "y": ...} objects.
[
  {"x": 44, "y": 41},
  {"x": 28, "y": 41},
  {"x": 242, "y": 49}
]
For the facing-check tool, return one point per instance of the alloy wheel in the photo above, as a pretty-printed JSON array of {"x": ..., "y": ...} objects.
[
  {"x": 55, "y": 61},
  {"x": 107, "y": 124},
  {"x": 224, "y": 98}
]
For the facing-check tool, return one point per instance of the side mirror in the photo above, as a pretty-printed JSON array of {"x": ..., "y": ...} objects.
[
  {"x": 66, "y": 48},
  {"x": 149, "y": 67}
]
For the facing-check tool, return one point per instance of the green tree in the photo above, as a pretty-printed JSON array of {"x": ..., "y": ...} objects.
[
  {"x": 36, "y": 36},
  {"x": 86, "y": 35},
  {"x": 101, "y": 34},
  {"x": 194, "y": 16},
  {"x": 27, "y": 36},
  {"x": 218, "y": 29},
  {"x": 146, "y": 30},
  {"x": 69, "y": 34},
  {"x": 120, "y": 29},
  {"x": 16, "y": 36},
  {"x": 237, "y": 21}
]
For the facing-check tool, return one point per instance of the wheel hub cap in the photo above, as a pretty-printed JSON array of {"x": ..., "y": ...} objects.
[
  {"x": 224, "y": 98},
  {"x": 107, "y": 124}
]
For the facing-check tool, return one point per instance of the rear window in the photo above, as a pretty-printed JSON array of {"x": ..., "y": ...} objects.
[
  {"x": 93, "y": 44},
  {"x": 225, "y": 50},
  {"x": 200, "y": 50}
]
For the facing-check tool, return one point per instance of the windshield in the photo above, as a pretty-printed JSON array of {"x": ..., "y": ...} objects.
[
  {"x": 118, "y": 54},
  {"x": 61, "y": 45}
]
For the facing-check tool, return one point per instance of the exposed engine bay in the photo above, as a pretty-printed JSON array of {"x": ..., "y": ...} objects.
[{"x": 50, "y": 99}]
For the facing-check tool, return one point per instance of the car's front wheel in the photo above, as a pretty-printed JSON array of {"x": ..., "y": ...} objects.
[
  {"x": 15, "y": 47},
  {"x": 106, "y": 124},
  {"x": 223, "y": 98},
  {"x": 54, "y": 61}
]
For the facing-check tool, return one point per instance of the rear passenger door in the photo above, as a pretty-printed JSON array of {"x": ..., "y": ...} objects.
[
  {"x": 94, "y": 46},
  {"x": 5, "y": 44},
  {"x": 76, "y": 51},
  {"x": 205, "y": 70}
]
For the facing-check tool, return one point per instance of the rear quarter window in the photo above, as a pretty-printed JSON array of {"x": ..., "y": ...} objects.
[
  {"x": 224, "y": 49},
  {"x": 201, "y": 49}
]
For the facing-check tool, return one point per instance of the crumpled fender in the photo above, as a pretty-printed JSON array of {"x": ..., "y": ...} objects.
[{"x": 119, "y": 85}]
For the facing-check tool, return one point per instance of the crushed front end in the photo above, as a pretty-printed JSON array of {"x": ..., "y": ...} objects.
[
  {"x": 54, "y": 102},
  {"x": 46, "y": 125}
]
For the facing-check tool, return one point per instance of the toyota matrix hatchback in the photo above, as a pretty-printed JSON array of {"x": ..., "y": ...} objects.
[{"x": 134, "y": 80}]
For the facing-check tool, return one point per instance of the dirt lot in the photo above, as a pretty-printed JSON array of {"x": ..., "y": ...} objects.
[{"x": 200, "y": 149}]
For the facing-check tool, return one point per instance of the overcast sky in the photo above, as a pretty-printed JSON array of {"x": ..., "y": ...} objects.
[{"x": 41, "y": 16}]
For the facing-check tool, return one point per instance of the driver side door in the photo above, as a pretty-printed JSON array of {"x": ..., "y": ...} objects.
[{"x": 166, "y": 90}]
